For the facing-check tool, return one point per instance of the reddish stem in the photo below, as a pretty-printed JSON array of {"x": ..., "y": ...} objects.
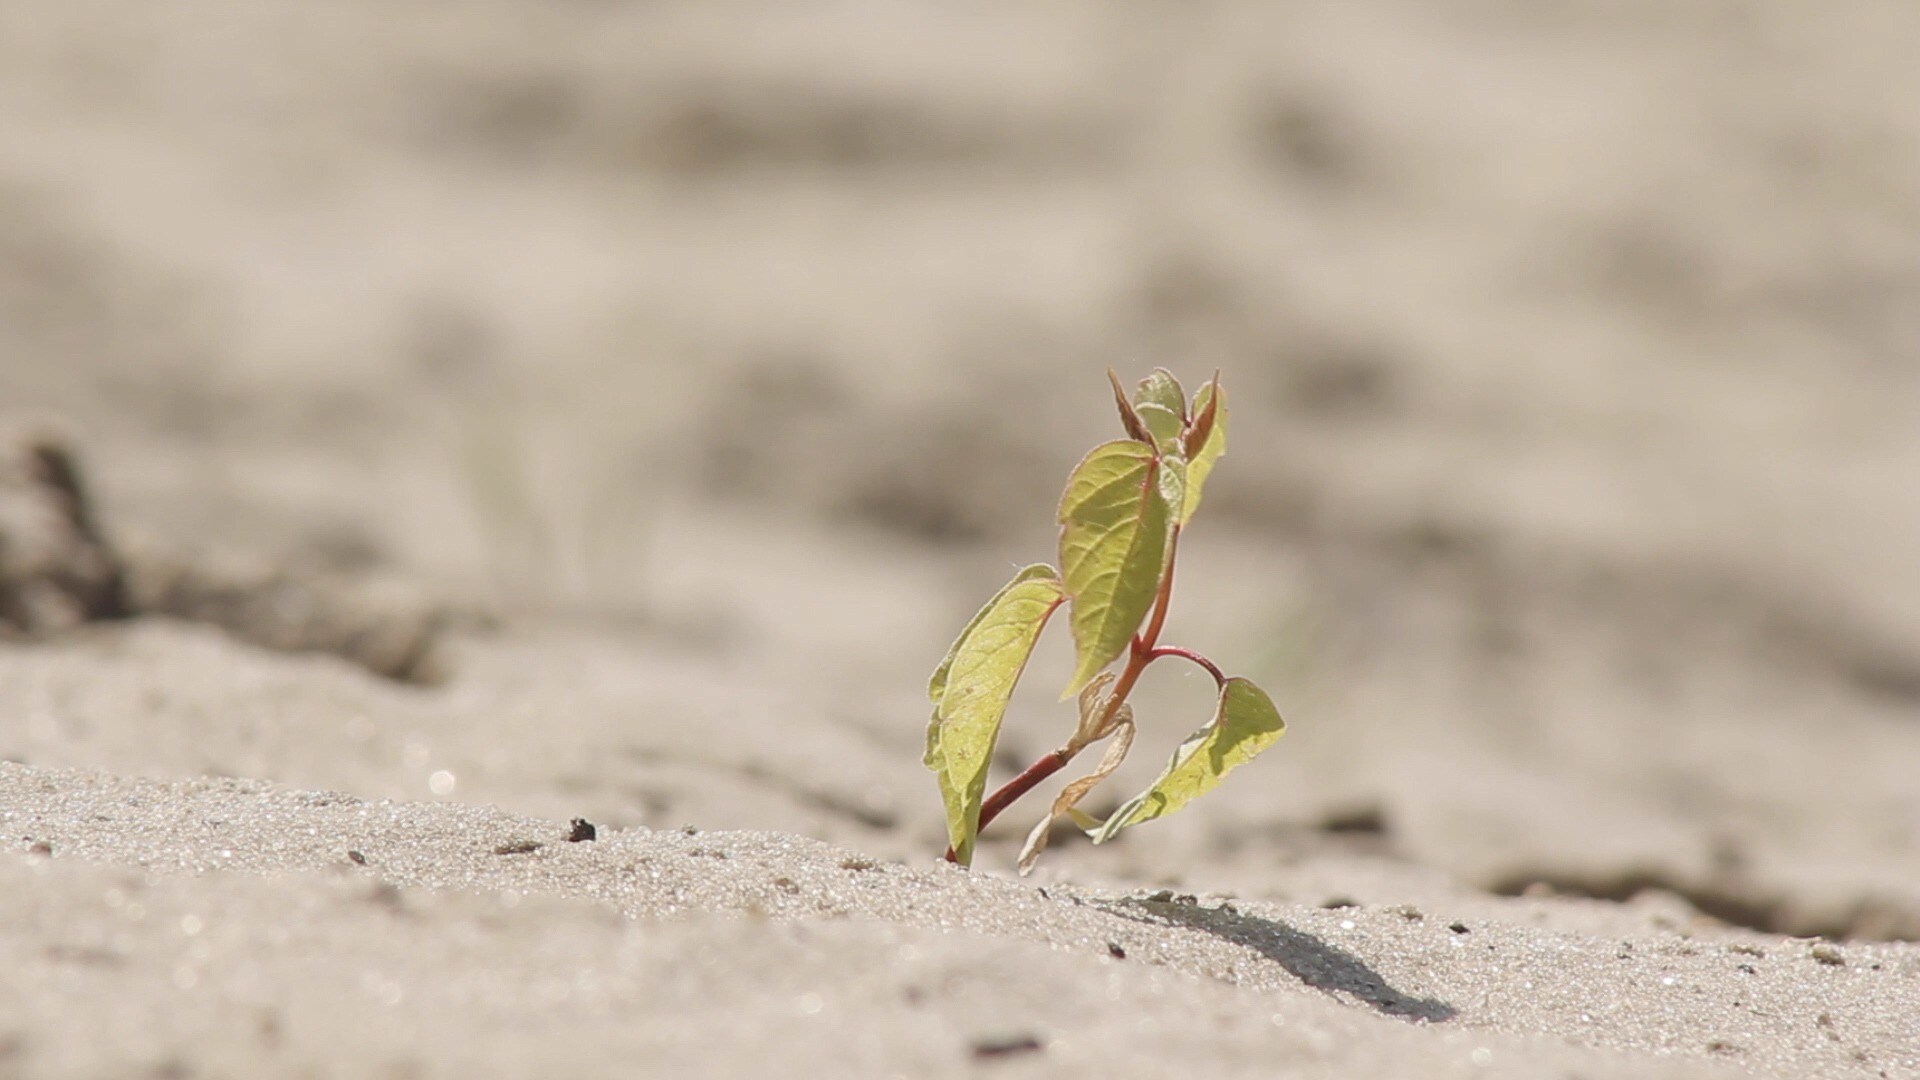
[
  {"x": 1219, "y": 678},
  {"x": 1160, "y": 602}
]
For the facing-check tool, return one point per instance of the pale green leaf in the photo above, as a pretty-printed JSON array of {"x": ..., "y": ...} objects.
[
  {"x": 1244, "y": 723},
  {"x": 1163, "y": 424},
  {"x": 1173, "y": 480},
  {"x": 1115, "y": 519},
  {"x": 1162, "y": 389},
  {"x": 937, "y": 685},
  {"x": 1201, "y": 458},
  {"x": 970, "y": 691}
]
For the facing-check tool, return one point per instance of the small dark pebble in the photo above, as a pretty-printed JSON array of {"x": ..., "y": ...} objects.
[
  {"x": 356, "y": 858},
  {"x": 582, "y": 830},
  {"x": 690, "y": 830},
  {"x": 857, "y": 862},
  {"x": 1459, "y": 928},
  {"x": 1335, "y": 903},
  {"x": 518, "y": 847},
  {"x": 1116, "y": 950},
  {"x": 1006, "y": 1046},
  {"x": 1365, "y": 818},
  {"x": 41, "y": 847}
]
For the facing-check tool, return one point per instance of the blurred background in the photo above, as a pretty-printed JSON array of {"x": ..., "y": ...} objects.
[{"x": 723, "y": 358}]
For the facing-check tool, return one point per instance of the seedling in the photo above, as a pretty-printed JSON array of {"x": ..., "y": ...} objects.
[{"x": 1120, "y": 523}]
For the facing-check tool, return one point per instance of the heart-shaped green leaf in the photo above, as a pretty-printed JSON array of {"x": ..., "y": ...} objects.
[
  {"x": 970, "y": 690},
  {"x": 1115, "y": 517},
  {"x": 1244, "y": 723}
]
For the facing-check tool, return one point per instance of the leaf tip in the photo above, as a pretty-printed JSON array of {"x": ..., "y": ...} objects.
[{"x": 1129, "y": 418}]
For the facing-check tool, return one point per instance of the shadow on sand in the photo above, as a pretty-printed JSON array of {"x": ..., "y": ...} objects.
[{"x": 1312, "y": 961}]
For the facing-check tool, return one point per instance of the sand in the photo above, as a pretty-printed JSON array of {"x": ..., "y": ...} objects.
[
  {"x": 421, "y": 429},
  {"x": 231, "y": 923}
]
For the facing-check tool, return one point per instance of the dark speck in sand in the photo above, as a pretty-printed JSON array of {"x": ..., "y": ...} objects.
[{"x": 1000, "y": 1046}]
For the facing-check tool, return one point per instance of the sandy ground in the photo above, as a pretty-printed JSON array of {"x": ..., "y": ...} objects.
[
  {"x": 496, "y": 417},
  {"x": 353, "y": 938}
]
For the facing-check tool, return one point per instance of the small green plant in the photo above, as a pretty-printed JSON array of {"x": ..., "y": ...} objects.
[{"x": 1120, "y": 522}]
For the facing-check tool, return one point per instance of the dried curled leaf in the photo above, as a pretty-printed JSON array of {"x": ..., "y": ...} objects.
[
  {"x": 970, "y": 690},
  {"x": 1122, "y": 730},
  {"x": 1093, "y": 700},
  {"x": 1244, "y": 723}
]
